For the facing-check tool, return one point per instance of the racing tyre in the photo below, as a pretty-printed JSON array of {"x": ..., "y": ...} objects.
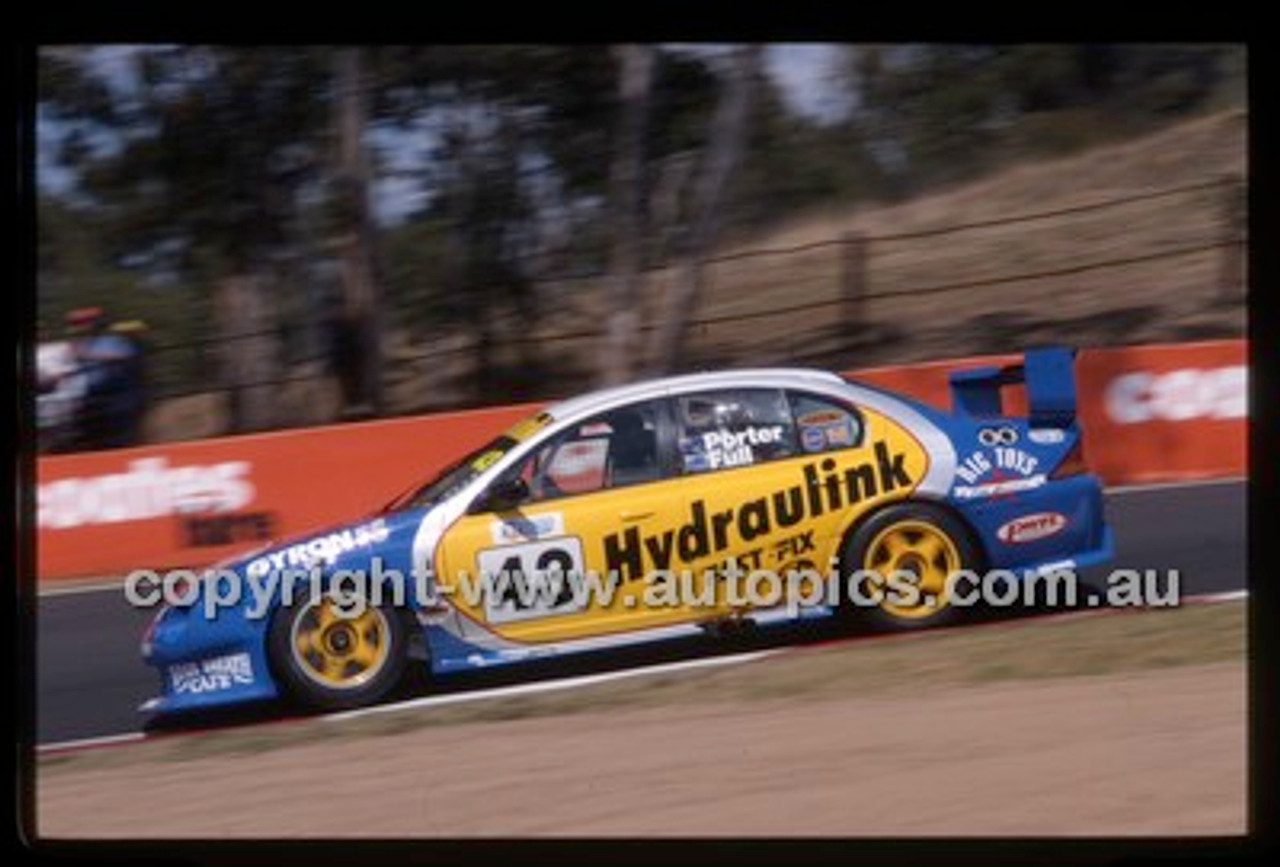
[
  {"x": 329, "y": 661},
  {"x": 925, "y": 542}
]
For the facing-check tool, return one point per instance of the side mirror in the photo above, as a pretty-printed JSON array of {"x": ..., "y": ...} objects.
[{"x": 506, "y": 493}]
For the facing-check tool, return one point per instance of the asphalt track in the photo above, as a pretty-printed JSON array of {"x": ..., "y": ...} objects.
[{"x": 90, "y": 679}]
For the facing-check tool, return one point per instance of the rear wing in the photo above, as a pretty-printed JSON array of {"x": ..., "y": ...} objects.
[{"x": 1047, "y": 372}]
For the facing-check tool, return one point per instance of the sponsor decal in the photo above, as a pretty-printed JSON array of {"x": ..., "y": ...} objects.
[
  {"x": 720, "y": 449},
  {"x": 998, "y": 436},
  {"x": 992, "y": 489},
  {"x": 825, "y": 429},
  {"x": 522, "y": 529},
  {"x": 1179, "y": 395},
  {"x": 1029, "y": 528},
  {"x": 1008, "y": 460},
  {"x": 1001, "y": 471},
  {"x": 150, "y": 488},
  {"x": 321, "y": 549},
  {"x": 228, "y": 529},
  {"x": 211, "y": 675},
  {"x": 694, "y": 459},
  {"x": 1046, "y": 436},
  {"x": 523, "y": 429},
  {"x": 820, "y": 489},
  {"x": 822, "y": 417},
  {"x": 812, "y": 439},
  {"x": 486, "y": 460}
]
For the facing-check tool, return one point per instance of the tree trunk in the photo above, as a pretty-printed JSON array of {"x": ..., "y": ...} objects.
[
  {"x": 635, "y": 80},
  {"x": 248, "y": 359},
  {"x": 727, "y": 134},
  {"x": 361, "y": 302},
  {"x": 462, "y": 265}
]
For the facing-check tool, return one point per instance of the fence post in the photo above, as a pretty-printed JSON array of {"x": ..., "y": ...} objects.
[
  {"x": 854, "y": 279},
  {"x": 1231, "y": 277}
]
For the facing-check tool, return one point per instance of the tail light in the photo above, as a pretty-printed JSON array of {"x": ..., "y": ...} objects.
[{"x": 1072, "y": 464}]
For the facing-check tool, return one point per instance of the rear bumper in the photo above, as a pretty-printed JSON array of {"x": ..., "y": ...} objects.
[
  {"x": 1080, "y": 536},
  {"x": 1103, "y": 553}
]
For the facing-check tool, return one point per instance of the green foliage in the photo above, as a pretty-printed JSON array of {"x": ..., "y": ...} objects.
[
  {"x": 234, "y": 137},
  {"x": 956, "y": 110},
  {"x": 790, "y": 164},
  {"x": 223, "y": 160},
  {"x": 415, "y": 273}
]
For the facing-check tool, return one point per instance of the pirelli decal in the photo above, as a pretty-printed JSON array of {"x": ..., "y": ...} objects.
[{"x": 821, "y": 489}]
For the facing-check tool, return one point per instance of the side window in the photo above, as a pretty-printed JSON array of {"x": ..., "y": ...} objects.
[
  {"x": 733, "y": 428},
  {"x": 611, "y": 450},
  {"x": 823, "y": 425}
]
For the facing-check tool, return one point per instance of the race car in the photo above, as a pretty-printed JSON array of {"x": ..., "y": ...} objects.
[{"x": 729, "y": 476}]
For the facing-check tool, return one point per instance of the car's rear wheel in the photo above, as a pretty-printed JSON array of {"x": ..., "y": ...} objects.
[
  {"x": 332, "y": 661},
  {"x": 907, "y": 552}
]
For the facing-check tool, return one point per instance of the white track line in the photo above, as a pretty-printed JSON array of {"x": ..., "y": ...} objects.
[
  {"x": 1225, "y": 596},
  {"x": 1161, "y": 486},
  {"x": 115, "y": 584},
  {"x": 86, "y": 743},
  {"x": 550, "y": 685}
]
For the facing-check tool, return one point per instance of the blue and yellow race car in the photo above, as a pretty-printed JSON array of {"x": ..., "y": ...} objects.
[{"x": 650, "y": 511}]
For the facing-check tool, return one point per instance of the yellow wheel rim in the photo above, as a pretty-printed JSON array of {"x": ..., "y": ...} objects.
[
  {"x": 920, "y": 549},
  {"x": 337, "y": 651}
]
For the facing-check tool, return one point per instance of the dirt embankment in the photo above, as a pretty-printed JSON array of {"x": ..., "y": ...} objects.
[{"x": 1159, "y": 752}]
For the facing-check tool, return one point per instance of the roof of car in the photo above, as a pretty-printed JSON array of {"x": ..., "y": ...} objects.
[{"x": 762, "y": 377}]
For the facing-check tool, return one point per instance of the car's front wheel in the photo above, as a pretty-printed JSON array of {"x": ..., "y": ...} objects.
[{"x": 333, "y": 656}]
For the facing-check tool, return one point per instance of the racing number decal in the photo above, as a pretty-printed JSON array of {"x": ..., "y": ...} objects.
[{"x": 535, "y": 579}]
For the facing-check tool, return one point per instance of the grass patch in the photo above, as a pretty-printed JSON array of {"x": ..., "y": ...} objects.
[{"x": 1027, "y": 650}]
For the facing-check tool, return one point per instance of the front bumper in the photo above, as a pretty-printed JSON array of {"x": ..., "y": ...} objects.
[{"x": 207, "y": 662}]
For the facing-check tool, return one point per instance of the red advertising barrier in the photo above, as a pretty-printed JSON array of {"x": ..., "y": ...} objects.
[
  {"x": 193, "y": 503},
  {"x": 1149, "y": 412}
]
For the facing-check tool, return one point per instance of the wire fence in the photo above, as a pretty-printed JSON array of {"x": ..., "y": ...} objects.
[
  {"x": 850, "y": 283},
  {"x": 1175, "y": 253}
]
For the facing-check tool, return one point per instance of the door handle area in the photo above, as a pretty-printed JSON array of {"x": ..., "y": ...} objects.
[{"x": 635, "y": 516}]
